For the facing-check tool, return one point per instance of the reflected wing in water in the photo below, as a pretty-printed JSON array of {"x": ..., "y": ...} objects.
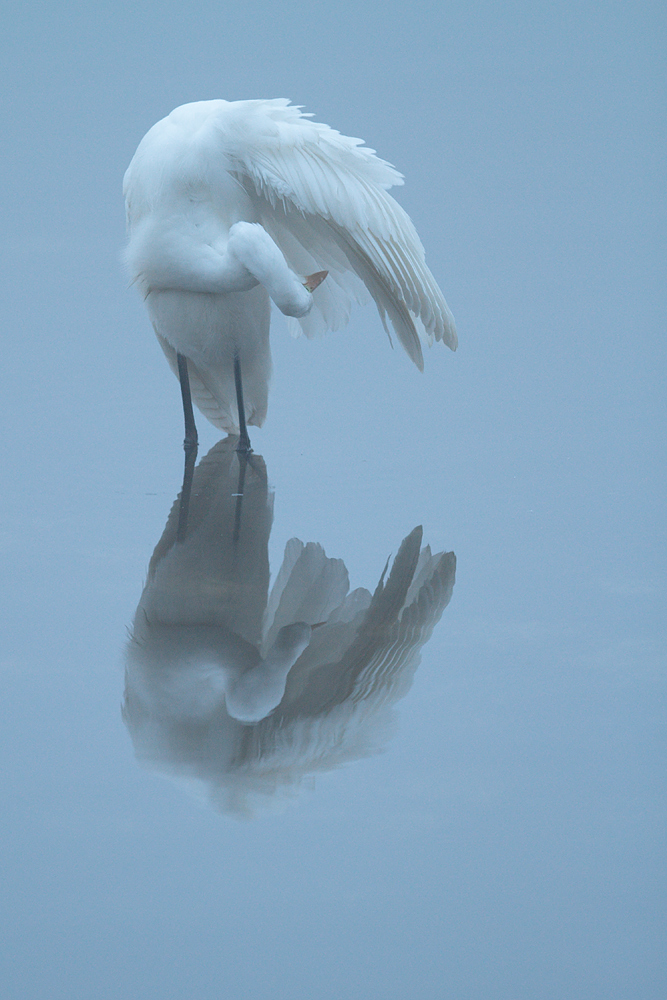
[
  {"x": 338, "y": 697},
  {"x": 372, "y": 653},
  {"x": 244, "y": 692}
]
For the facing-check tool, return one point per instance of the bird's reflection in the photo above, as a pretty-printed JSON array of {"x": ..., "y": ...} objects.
[{"x": 242, "y": 692}]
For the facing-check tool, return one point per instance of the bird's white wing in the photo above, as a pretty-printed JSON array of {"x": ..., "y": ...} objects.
[{"x": 323, "y": 198}]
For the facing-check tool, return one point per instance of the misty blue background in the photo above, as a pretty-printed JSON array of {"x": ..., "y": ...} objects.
[{"x": 510, "y": 842}]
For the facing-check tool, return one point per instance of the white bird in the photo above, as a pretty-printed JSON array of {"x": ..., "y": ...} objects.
[{"x": 228, "y": 205}]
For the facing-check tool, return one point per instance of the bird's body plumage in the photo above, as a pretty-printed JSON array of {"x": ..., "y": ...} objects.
[{"x": 228, "y": 203}]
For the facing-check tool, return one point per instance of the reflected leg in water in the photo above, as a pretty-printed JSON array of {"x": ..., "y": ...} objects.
[
  {"x": 245, "y": 459},
  {"x": 238, "y": 510},
  {"x": 186, "y": 490}
]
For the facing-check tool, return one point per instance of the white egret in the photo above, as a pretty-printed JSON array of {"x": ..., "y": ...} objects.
[{"x": 228, "y": 204}]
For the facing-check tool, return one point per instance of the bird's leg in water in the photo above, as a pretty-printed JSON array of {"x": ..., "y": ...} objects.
[
  {"x": 244, "y": 440},
  {"x": 190, "y": 441}
]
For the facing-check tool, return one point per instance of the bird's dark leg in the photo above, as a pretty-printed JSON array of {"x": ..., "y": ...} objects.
[
  {"x": 191, "y": 440},
  {"x": 244, "y": 440}
]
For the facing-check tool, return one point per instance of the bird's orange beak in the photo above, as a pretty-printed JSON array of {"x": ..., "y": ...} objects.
[{"x": 313, "y": 280}]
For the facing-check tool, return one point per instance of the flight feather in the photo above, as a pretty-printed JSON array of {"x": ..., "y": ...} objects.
[{"x": 323, "y": 198}]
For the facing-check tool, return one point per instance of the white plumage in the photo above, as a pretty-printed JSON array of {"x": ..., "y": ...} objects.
[{"x": 229, "y": 204}]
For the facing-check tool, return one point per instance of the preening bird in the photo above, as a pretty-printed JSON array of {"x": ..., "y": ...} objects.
[{"x": 232, "y": 204}]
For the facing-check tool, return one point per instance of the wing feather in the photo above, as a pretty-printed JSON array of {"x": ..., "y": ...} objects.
[{"x": 323, "y": 198}]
